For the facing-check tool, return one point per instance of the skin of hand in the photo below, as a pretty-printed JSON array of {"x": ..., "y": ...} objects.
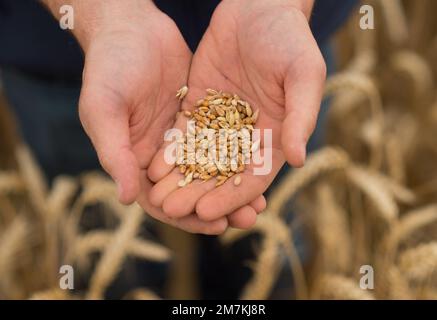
[
  {"x": 135, "y": 61},
  {"x": 264, "y": 51}
]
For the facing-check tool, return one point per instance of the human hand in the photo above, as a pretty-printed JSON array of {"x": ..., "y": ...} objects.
[
  {"x": 135, "y": 61},
  {"x": 264, "y": 51}
]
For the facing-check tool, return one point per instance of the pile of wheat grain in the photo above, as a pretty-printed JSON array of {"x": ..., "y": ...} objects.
[{"x": 366, "y": 199}]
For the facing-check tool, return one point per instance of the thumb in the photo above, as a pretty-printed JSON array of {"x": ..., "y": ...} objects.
[
  {"x": 303, "y": 95},
  {"x": 106, "y": 121}
]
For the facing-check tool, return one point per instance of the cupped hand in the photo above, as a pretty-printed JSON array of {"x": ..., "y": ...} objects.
[
  {"x": 265, "y": 52},
  {"x": 134, "y": 65}
]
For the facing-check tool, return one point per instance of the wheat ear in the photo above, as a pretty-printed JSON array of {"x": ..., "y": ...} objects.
[
  {"x": 115, "y": 252},
  {"x": 326, "y": 160}
]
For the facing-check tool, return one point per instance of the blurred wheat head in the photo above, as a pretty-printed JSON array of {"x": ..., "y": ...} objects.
[{"x": 367, "y": 198}]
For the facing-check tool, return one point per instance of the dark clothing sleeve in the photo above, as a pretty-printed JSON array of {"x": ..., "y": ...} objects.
[{"x": 31, "y": 39}]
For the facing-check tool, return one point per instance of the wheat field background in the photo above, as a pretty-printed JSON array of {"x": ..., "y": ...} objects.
[{"x": 369, "y": 197}]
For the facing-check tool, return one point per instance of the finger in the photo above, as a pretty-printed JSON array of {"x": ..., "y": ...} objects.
[
  {"x": 106, "y": 121},
  {"x": 243, "y": 218},
  {"x": 179, "y": 202},
  {"x": 164, "y": 187},
  {"x": 182, "y": 201},
  {"x": 159, "y": 168},
  {"x": 303, "y": 94},
  {"x": 175, "y": 201},
  {"x": 193, "y": 224},
  {"x": 234, "y": 197},
  {"x": 190, "y": 223},
  {"x": 259, "y": 204}
]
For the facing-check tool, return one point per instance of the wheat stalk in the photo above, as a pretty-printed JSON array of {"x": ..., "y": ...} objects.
[
  {"x": 33, "y": 178},
  {"x": 323, "y": 161},
  {"x": 276, "y": 234},
  {"x": 98, "y": 240},
  {"x": 419, "y": 71},
  {"x": 377, "y": 192},
  {"x": 362, "y": 84},
  {"x": 264, "y": 272},
  {"x": 115, "y": 252},
  {"x": 13, "y": 242},
  {"x": 395, "y": 20},
  {"x": 408, "y": 224},
  {"x": 332, "y": 230}
]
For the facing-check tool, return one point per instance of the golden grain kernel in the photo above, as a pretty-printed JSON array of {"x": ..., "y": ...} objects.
[
  {"x": 215, "y": 111},
  {"x": 211, "y": 92},
  {"x": 182, "y": 92},
  {"x": 220, "y": 111},
  {"x": 255, "y": 116},
  {"x": 181, "y": 183},
  {"x": 217, "y": 101},
  {"x": 237, "y": 180},
  {"x": 256, "y": 145}
]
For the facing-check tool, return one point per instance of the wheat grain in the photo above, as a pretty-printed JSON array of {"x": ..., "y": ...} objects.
[
  {"x": 182, "y": 92},
  {"x": 237, "y": 180},
  {"x": 216, "y": 145}
]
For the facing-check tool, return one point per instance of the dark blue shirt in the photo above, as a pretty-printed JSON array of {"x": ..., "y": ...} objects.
[{"x": 31, "y": 39}]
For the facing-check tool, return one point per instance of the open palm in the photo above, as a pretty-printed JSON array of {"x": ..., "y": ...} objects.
[{"x": 265, "y": 53}]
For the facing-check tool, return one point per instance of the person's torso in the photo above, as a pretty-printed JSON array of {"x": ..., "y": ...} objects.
[{"x": 32, "y": 40}]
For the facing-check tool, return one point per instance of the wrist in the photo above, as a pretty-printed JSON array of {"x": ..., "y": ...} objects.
[{"x": 99, "y": 16}]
